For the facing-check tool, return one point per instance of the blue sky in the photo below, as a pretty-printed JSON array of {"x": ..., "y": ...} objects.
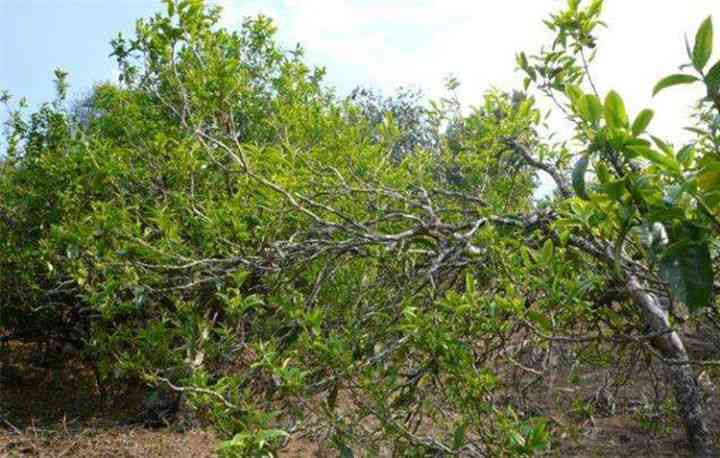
[
  {"x": 37, "y": 36},
  {"x": 382, "y": 43}
]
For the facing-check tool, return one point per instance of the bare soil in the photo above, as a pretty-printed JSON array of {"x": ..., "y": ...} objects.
[{"x": 52, "y": 410}]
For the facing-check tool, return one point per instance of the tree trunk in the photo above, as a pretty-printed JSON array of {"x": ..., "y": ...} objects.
[{"x": 687, "y": 392}]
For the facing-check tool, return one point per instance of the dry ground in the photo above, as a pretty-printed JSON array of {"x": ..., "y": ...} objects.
[{"x": 47, "y": 410}]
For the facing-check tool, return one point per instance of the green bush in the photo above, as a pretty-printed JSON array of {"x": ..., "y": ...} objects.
[{"x": 222, "y": 225}]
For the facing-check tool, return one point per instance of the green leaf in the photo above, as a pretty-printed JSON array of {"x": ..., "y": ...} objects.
[
  {"x": 525, "y": 254},
  {"x": 578, "y": 177},
  {"x": 686, "y": 266},
  {"x": 709, "y": 177},
  {"x": 595, "y": 8},
  {"x": 697, "y": 131},
  {"x": 538, "y": 436},
  {"x": 667, "y": 149},
  {"x": 673, "y": 80},
  {"x": 656, "y": 158},
  {"x": 712, "y": 78},
  {"x": 170, "y": 7},
  {"x": 675, "y": 192},
  {"x": 642, "y": 121},
  {"x": 615, "y": 114},
  {"x": 517, "y": 439},
  {"x": 459, "y": 436},
  {"x": 573, "y": 93},
  {"x": 547, "y": 251},
  {"x": 703, "y": 44},
  {"x": 470, "y": 284},
  {"x": 522, "y": 60},
  {"x": 635, "y": 142},
  {"x": 589, "y": 108},
  {"x": 602, "y": 172},
  {"x": 615, "y": 189},
  {"x": 346, "y": 452},
  {"x": 686, "y": 154}
]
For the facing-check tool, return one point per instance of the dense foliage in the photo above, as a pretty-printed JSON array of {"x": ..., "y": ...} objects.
[{"x": 366, "y": 270}]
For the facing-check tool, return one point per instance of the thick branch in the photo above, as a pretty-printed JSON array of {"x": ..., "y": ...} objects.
[{"x": 527, "y": 155}]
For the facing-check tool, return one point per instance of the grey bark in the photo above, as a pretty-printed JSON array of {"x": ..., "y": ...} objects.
[{"x": 688, "y": 394}]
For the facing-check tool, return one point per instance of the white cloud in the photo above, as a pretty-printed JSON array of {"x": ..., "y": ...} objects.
[
  {"x": 419, "y": 42},
  {"x": 234, "y": 11}
]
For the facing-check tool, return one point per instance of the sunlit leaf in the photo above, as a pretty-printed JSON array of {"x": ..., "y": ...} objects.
[
  {"x": 642, "y": 121},
  {"x": 656, "y": 158},
  {"x": 589, "y": 108},
  {"x": 573, "y": 93},
  {"x": 673, "y": 80},
  {"x": 615, "y": 114},
  {"x": 703, "y": 45}
]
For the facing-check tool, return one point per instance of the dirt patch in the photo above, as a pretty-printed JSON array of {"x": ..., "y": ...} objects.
[
  {"x": 53, "y": 408},
  {"x": 56, "y": 410},
  {"x": 117, "y": 441}
]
